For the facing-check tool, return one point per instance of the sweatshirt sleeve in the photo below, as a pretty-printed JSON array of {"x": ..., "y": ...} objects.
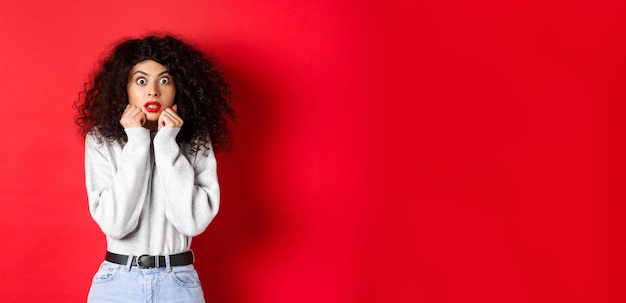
[
  {"x": 192, "y": 190},
  {"x": 118, "y": 191}
]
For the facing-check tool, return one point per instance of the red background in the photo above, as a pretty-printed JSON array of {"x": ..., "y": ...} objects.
[{"x": 442, "y": 151}]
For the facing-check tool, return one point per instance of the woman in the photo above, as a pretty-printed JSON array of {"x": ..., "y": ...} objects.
[{"x": 152, "y": 115}]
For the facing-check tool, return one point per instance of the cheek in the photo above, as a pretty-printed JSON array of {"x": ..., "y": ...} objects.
[
  {"x": 132, "y": 97},
  {"x": 171, "y": 97}
]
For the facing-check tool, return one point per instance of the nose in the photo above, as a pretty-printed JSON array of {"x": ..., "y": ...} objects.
[{"x": 153, "y": 91}]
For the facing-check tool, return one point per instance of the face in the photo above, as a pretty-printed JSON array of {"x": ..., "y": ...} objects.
[{"x": 151, "y": 88}]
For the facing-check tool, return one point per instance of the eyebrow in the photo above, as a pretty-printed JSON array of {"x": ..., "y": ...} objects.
[{"x": 144, "y": 73}]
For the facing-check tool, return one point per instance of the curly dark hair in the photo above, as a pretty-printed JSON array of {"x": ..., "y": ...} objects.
[{"x": 202, "y": 94}]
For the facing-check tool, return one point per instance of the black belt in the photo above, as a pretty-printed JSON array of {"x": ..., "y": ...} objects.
[{"x": 146, "y": 261}]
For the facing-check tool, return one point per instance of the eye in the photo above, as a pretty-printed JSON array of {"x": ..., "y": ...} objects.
[
  {"x": 164, "y": 80},
  {"x": 142, "y": 81}
]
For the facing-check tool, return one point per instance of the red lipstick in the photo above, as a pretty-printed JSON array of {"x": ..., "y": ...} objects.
[{"x": 152, "y": 106}]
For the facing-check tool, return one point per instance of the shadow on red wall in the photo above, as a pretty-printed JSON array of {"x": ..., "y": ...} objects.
[{"x": 246, "y": 220}]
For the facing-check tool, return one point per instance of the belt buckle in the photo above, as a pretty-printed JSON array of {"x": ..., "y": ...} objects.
[{"x": 138, "y": 261}]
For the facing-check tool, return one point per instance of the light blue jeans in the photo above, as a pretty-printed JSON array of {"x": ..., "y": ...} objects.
[{"x": 126, "y": 283}]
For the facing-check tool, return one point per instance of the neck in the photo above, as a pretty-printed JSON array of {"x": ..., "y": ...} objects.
[{"x": 151, "y": 125}]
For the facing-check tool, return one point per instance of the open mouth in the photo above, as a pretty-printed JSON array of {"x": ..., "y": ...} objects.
[{"x": 152, "y": 106}]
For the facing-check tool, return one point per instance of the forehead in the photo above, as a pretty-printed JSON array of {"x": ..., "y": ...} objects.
[{"x": 148, "y": 67}]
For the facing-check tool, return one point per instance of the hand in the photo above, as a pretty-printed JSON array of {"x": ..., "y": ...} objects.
[
  {"x": 132, "y": 117},
  {"x": 169, "y": 117}
]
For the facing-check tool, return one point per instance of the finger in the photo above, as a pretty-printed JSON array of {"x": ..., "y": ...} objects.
[
  {"x": 176, "y": 120},
  {"x": 166, "y": 119},
  {"x": 143, "y": 118},
  {"x": 174, "y": 114},
  {"x": 170, "y": 119},
  {"x": 161, "y": 121},
  {"x": 132, "y": 116}
]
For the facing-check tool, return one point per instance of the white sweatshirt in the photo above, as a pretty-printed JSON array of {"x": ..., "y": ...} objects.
[{"x": 149, "y": 196}]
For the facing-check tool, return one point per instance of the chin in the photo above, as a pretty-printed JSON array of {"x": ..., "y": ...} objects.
[{"x": 153, "y": 117}]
